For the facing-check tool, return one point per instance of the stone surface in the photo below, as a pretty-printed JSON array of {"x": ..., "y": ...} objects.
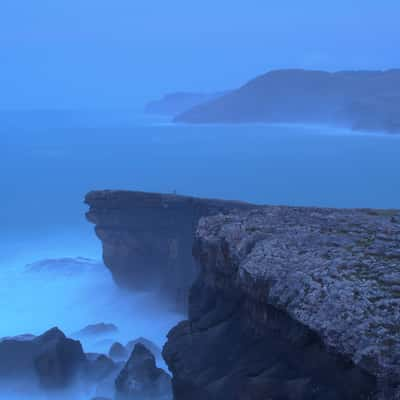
[
  {"x": 147, "y": 237},
  {"x": 298, "y": 303},
  {"x": 141, "y": 379}
]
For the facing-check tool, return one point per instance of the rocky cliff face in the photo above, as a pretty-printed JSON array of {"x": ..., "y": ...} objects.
[
  {"x": 147, "y": 237},
  {"x": 292, "y": 303}
]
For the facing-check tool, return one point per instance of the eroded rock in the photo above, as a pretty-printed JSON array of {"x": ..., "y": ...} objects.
[
  {"x": 118, "y": 352},
  {"x": 52, "y": 360},
  {"x": 140, "y": 379},
  {"x": 146, "y": 343}
]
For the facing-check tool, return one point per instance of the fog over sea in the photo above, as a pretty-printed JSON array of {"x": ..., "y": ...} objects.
[{"x": 50, "y": 159}]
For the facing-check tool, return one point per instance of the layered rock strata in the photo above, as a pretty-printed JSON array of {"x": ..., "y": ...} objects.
[{"x": 147, "y": 237}]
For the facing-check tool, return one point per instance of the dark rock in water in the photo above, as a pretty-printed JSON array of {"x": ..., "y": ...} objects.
[
  {"x": 141, "y": 379},
  {"x": 146, "y": 343},
  {"x": 99, "y": 329},
  {"x": 118, "y": 352},
  {"x": 59, "y": 361},
  {"x": 292, "y": 303},
  {"x": 52, "y": 360},
  {"x": 147, "y": 238},
  {"x": 64, "y": 266}
]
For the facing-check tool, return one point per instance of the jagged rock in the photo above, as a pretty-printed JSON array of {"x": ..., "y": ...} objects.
[
  {"x": 51, "y": 359},
  {"x": 146, "y": 343},
  {"x": 118, "y": 352},
  {"x": 99, "y": 329},
  {"x": 141, "y": 379},
  {"x": 60, "y": 361},
  {"x": 292, "y": 303}
]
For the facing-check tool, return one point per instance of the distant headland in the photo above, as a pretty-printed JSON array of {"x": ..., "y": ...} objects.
[{"x": 359, "y": 100}]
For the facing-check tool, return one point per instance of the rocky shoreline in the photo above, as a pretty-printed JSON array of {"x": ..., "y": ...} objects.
[
  {"x": 57, "y": 367},
  {"x": 298, "y": 303}
]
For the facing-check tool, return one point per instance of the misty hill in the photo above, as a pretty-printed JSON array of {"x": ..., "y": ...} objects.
[
  {"x": 362, "y": 100},
  {"x": 176, "y": 103}
]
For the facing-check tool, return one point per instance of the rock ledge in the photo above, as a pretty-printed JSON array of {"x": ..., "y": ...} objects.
[{"x": 337, "y": 272}]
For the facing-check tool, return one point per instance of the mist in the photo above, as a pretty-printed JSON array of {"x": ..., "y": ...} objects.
[
  {"x": 75, "y": 78},
  {"x": 95, "y": 54},
  {"x": 71, "y": 293}
]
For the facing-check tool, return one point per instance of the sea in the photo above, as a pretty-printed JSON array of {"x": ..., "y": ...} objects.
[{"x": 49, "y": 160}]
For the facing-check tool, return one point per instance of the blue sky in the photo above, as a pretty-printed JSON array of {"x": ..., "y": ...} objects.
[{"x": 119, "y": 53}]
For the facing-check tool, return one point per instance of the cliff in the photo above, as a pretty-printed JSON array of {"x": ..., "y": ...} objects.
[
  {"x": 147, "y": 237},
  {"x": 289, "y": 303},
  {"x": 292, "y": 303},
  {"x": 173, "y": 104},
  {"x": 362, "y": 100}
]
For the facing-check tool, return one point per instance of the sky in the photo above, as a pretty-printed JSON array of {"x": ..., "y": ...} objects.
[{"x": 121, "y": 53}]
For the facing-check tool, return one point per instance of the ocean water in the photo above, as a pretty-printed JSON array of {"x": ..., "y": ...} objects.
[{"x": 50, "y": 160}]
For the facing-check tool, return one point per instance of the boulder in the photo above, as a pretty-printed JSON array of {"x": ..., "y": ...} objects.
[
  {"x": 146, "y": 343},
  {"x": 52, "y": 360},
  {"x": 59, "y": 361},
  {"x": 141, "y": 379},
  {"x": 118, "y": 352}
]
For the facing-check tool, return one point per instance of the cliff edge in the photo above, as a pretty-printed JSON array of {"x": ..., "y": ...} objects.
[
  {"x": 292, "y": 303},
  {"x": 147, "y": 237}
]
